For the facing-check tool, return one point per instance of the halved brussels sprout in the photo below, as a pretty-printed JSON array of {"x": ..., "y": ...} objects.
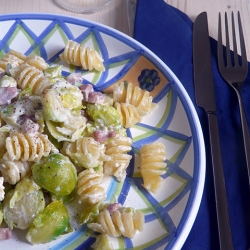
[
  {"x": 64, "y": 198},
  {"x": 103, "y": 242},
  {"x": 104, "y": 116},
  {"x": 22, "y": 213},
  {"x": 89, "y": 214},
  {"x": 49, "y": 224},
  {"x": 7, "y": 81},
  {"x": 56, "y": 173},
  {"x": 25, "y": 187},
  {"x": 3, "y": 136},
  {"x": 53, "y": 72},
  {"x": 59, "y": 100},
  {"x": 67, "y": 131},
  {"x": 14, "y": 111}
]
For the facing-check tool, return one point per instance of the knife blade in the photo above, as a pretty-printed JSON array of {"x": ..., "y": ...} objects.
[{"x": 205, "y": 98}]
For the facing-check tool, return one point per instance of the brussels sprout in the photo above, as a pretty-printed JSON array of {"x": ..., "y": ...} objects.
[
  {"x": 26, "y": 186},
  {"x": 56, "y": 173},
  {"x": 69, "y": 130},
  {"x": 1, "y": 213},
  {"x": 103, "y": 242},
  {"x": 14, "y": 111},
  {"x": 24, "y": 210},
  {"x": 52, "y": 139},
  {"x": 104, "y": 116},
  {"x": 59, "y": 100},
  {"x": 3, "y": 136},
  {"x": 40, "y": 120},
  {"x": 89, "y": 214},
  {"x": 49, "y": 224},
  {"x": 52, "y": 72},
  {"x": 24, "y": 93},
  {"x": 7, "y": 81},
  {"x": 64, "y": 198}
]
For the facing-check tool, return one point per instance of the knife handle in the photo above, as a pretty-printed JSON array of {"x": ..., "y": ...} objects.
[{"x": 224, "y": 228}]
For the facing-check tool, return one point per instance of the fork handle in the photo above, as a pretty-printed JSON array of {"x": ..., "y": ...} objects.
[
  {"x": 224, "y": 228},
  {"x": 245, "y": 131}
]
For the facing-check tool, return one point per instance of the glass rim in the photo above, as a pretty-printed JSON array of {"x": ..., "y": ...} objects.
[{"x": 75, "y": 9}]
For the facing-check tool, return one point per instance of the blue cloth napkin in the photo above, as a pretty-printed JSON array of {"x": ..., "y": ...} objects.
[{"x": 168, "y": 33}]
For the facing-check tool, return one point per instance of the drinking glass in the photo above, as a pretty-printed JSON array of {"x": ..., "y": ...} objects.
[{"x": 83, "y": 6}]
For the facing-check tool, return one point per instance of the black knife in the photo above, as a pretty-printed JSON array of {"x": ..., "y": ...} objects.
[{"x": 205, "y": 98}]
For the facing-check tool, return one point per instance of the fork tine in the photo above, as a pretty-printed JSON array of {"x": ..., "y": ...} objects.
[
  {"x": 229, "y": 63},
  {"x": 242, "y": 43},
  {"x": 236, "y": 60},
  {"x": 219, "y": 45}
]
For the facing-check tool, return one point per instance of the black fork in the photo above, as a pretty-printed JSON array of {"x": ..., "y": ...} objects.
[{"x": 234, "y": 71}]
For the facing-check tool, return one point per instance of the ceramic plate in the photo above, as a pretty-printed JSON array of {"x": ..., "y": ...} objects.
[{"x": 170, "y": 213}]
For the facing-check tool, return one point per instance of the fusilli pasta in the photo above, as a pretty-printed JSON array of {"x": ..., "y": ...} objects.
[
  {"x": 88, "y": 187},
  {"x": 134, "y": 95},
  {"x": 152, "y": 157},
  {"x": 37, "y": 61},
  {"x": 85, "y": 152},
  {"x": 12, "y": 57},
  {"x": 117, "y": 149},
  {"x": 30, "y": 76},
  {"x": 27, "y": 147},
  {"x": 129, "y": 114},
  {"x": 119, "y": 222},
  {"x": 79, "y": 55},
  {"x": 14, "y": 171}
]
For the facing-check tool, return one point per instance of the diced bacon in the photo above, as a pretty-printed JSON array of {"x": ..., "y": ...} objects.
[
  {"x": 89, "y": 95},
  {"x": 114, "y": 207},
  {"x": 101, "y": 136},
  {"x": 30, "y": 127},
  {"x": 22, "y": 118},
  {"x": 2, "y": 74},
  {"x": 7, "y": 94},
  {"x": 5, "y": 233},
  {"x": 74, "y": 78},
  {"x": 86, "y": 89},
  {"x": 96, "y": 97}
]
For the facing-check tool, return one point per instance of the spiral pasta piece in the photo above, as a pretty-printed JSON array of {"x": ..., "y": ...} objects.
[
  {"x": 13, "y": 57},
  {"x": 37, "y": 61},
  {"x": 152, "y": 157},
  {"x": 119, "y": 222},
  {"x": 80, "y": 55},
  {"x": 88, "y": 187},
  {"x": 85, "y": 152},
  {"x": 134, "y": 95},
  {"x": 27, "y": 147},
  {"x": 16, "y": 58},
  {"x": 117, "y": 149},
  {"x": 30, "y": 76},
  {"x": 14, "y": 171},
  {"x": 129, "y": 114}
]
